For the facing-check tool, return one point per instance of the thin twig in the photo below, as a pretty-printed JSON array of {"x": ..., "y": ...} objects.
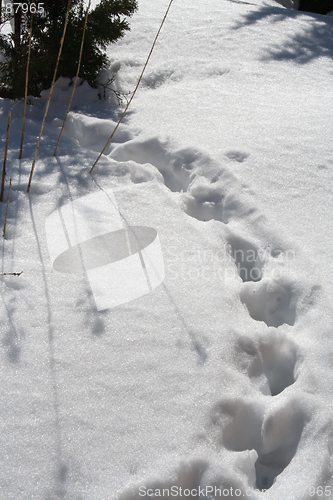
[
  {"x": 26, "y": 87},
  {"x": 11, "y": 274},
  {"x": 136, "y": 88},
  {"x": 119, "y": 95},
  {"x": 4, "y": 226},
  {"x": 5, "y": 158},
  {"x": 49, "y": 99},
  {"x": 76, "y": 78}
]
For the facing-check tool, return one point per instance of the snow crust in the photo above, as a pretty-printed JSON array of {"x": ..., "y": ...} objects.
[{"x": 219, "y": 376}]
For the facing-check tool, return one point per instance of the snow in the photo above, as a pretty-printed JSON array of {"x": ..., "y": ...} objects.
[{"x": 196, "y": 352}]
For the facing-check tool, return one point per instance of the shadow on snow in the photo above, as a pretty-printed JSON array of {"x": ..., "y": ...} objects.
[{"x": 311, "y": 41}]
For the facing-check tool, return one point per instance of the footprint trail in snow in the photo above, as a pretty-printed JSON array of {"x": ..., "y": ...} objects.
[{"x": 272, "y": 429}]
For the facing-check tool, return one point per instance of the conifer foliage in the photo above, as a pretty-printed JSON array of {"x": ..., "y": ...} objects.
[
  {"x": 316, "y": 6},
  {"x": 107, "y": 22}
]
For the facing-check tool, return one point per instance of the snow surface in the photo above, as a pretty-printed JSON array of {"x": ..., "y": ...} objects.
[{"x": 221, "y": 375}]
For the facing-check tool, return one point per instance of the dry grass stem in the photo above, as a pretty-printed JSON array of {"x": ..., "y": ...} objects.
[
  {"x": 4, "y": 226},
  {"x": 5, "y": 158},
  {"x": 26, "y": 88},
  {"x": 76, "y": 78},
  {"x": 50, "y": 95},
  {"x": 136, "y": 88}
]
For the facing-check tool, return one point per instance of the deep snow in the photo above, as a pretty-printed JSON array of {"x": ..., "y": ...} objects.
[{"x": 221, "y": 374}]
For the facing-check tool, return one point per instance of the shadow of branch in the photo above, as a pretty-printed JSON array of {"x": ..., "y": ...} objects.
[{"x": 312, "y": 40}]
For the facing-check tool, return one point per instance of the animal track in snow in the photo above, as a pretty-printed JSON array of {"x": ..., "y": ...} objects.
[
  {"x": 176, "y": 167},
  {"x": 91, "y": 132},
  {"x": 271, "y": 301},
  {"x": 157, "y": 78},
  {"x": 238, "y": 156},
  {"x": 271, "y": 361},
  {"x": 209, "y": 191},
  {"x": 247, "y": 258},
  {"x": 214, "y": 193},
  {"x": 204, "y": 202},
  {"x": 274, "y": 435}
]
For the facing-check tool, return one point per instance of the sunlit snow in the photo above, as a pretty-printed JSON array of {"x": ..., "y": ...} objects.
[{"x": 172, "y": 327}]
